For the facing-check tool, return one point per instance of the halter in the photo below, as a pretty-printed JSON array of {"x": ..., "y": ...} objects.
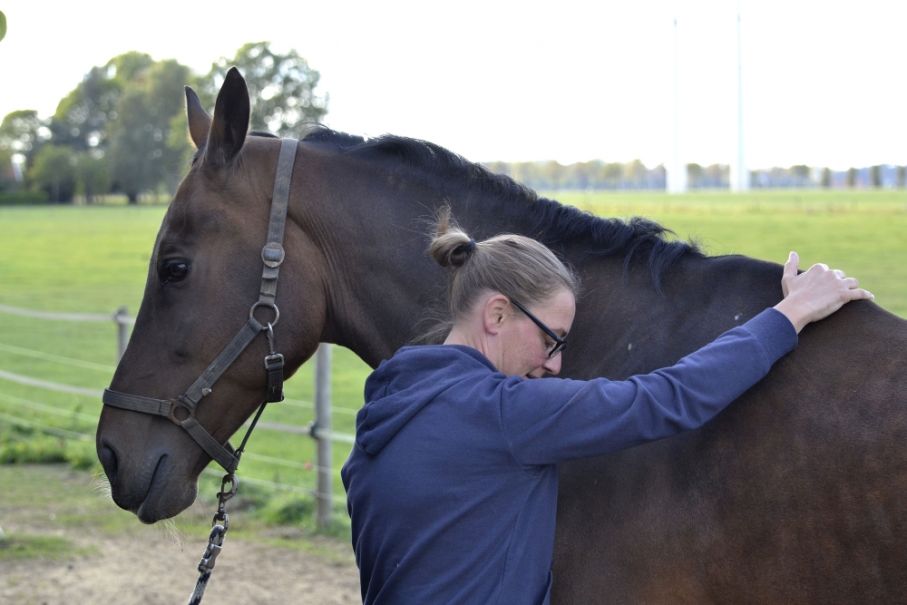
[{"x": 181, "y": 410}]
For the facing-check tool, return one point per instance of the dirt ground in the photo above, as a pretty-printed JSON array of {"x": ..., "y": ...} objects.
[{"x": 115, "y": 559}]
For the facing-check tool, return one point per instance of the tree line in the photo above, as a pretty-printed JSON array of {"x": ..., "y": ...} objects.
[
  {"x": 122, "y": 129},
  {"x": 598, "y": 175}
]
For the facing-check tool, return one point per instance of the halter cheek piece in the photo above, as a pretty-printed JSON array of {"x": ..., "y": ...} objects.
[{"x": 181, "y": 410}]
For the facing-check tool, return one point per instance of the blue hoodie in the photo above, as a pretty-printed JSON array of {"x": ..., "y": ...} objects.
[{"x": 452, "y": 484}]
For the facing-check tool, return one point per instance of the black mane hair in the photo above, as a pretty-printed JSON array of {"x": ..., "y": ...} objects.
[{"x": 554, "y": 224}]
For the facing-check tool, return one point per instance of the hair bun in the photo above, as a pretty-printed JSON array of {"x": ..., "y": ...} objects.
[
  {"x": 461, "y": 253},
  {"x": 451, "y": 247}
]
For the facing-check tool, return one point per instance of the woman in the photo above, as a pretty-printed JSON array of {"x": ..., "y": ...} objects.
[{"x": 452, "y": 483}]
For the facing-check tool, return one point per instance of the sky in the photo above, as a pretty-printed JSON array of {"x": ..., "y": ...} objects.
[{"x": 824, "y": 83}]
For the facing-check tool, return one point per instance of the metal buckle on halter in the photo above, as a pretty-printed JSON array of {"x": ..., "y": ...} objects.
[
  {"x": 274, "y": 361},
  {"x": 274, "y": 370},
  {"x": 272, "y": 254}
]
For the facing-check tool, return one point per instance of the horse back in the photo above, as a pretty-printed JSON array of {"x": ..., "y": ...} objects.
[{"x": 796, "y": 493}]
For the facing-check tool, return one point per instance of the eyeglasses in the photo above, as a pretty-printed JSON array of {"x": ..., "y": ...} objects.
[{"x": 559, "y": 343}]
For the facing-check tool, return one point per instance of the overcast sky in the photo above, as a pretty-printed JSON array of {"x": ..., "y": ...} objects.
[{"x": 825, "y": 83}]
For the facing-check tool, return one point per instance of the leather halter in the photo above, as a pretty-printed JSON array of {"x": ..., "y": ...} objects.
[{"x": 181, "y": 410}]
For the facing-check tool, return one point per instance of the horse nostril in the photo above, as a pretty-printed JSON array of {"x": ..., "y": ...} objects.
[{"x": 108, "y": 460}]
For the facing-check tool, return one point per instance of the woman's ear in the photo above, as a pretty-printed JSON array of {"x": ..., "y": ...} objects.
[{"x": 494, "y": 312}]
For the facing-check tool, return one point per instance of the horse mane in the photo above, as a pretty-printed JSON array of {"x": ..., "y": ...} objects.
[{"x": 553, "y": 223}]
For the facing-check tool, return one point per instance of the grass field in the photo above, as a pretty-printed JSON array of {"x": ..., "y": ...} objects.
[{"x": 94, "y": 259}]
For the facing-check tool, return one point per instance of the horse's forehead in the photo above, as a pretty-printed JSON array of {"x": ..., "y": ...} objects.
[
  {"x": 212, "y": 201},
  {"x": 192, "y": 209},
  {"x": 188, "y": 221}
]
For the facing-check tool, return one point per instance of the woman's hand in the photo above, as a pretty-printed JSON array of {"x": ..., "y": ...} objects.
[{"x": 816, "y": 293}]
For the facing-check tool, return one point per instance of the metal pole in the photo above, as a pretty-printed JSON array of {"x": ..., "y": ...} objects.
[
  {"x": 323, "y": 424},
  {"x": 740, "y": 175},
  {"x": 676, "y": 181},
  {"x": 120, "y": 317}
]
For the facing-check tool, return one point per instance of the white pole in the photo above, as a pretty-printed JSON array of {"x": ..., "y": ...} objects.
[
  {"x": 740, "y": 175},
  {"x": 677, "y": 171},
  {"x": 121, "y": 317},
  {"x": 323, "y": 423}
]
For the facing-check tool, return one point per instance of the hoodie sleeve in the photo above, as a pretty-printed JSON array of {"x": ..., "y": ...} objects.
[{"x": 549, "y": 420}]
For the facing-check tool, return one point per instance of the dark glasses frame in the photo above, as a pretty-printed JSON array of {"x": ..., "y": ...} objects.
[{"x": 559, "y": 343}]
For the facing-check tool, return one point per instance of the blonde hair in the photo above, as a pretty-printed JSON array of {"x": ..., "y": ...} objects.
[{"x": 514, "y": 265}]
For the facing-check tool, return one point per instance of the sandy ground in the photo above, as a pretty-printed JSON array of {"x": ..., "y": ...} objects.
[{"x": 129, "y": 563}]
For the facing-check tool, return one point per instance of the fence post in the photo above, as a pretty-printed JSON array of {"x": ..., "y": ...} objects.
[
  {"x": 121, "y": 319},
  {"x": 322, "y": 434}
]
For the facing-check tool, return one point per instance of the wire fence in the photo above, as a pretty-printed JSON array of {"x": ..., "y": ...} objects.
[{"x": 12, "y": 408}]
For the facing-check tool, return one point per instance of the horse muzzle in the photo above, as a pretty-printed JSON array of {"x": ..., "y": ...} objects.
[{"x": 153, "y": 487}]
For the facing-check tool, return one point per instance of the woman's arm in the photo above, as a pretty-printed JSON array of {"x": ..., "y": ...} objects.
[{"x": 551, "y": 420}]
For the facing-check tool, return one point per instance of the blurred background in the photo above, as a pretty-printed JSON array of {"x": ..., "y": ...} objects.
[
  {"x": 607, "y": 87},
  {"x": 775, "y": 125}
]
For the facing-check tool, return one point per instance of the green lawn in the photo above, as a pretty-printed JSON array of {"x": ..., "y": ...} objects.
[
  {"x": 94, "y": 259},
  {"x": 862, "y": 232}
]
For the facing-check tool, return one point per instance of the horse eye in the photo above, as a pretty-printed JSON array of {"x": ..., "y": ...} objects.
[{"x": 173, "y": 270}]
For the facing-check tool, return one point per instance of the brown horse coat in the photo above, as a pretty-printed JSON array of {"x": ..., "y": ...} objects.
[{"x": 796, "y": 494}]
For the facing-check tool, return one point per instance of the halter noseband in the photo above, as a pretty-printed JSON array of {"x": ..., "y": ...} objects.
[{"x": 181, "y": 410}]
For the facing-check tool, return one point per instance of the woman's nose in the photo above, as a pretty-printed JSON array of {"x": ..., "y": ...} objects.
[{"x": 553, "y": 365}]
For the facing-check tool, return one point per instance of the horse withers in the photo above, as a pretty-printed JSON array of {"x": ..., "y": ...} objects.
[{"x": 797, "y": 493}]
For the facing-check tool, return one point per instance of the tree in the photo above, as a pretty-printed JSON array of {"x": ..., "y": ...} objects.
[
  {"x": 551, "y": 173},
  {"x": 802, "y": 174},
  {"x": 7, "y": 170},
  {"x": 851, "y": 177},
  {"x": 281, "y": 88},
  {"x": 21, "y": 134},
  {"x": 715, "y": 175},
  {"x": 128, "y": 67},
  {"x": 876, "y": 176},
  {"x": 54, "y": 172},
  {"x": 611, "y": 173},
  {"x": 582, "y": 175},
  {"x": 143, "y": 153},
  {"x": 633, "y": 174},
  {"x": 131, "y": 162},
  {"x": 83, "y": 116},
  {"x": 695, "y": 174},
  {"x": 92, "y": 177}
]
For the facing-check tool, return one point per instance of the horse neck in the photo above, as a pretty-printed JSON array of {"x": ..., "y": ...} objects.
[
  {"x": 372, "y": 226},
  {"x": 370, "y": 241}
]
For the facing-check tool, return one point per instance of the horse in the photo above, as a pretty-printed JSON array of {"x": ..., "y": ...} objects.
[{"x": 797, "y": 493}]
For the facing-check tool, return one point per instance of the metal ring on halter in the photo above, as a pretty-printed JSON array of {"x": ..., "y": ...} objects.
[
  {"x": 271, "y": 306},
  {"x": 180, "y": 412}
]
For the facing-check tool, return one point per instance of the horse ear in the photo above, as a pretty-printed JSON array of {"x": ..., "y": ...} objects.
[
  {"x": 231, "y": 121},
  {"x": 199, "y": 120}
]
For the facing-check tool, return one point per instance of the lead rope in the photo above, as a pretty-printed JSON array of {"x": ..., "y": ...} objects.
[{"x": 229, "y": 483}]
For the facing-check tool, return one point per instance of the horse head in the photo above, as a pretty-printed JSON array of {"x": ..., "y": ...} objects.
[{"x": 204, "y": 286}]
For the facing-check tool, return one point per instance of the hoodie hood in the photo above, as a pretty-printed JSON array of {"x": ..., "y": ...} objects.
[{"x": 403, "y": 385}]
